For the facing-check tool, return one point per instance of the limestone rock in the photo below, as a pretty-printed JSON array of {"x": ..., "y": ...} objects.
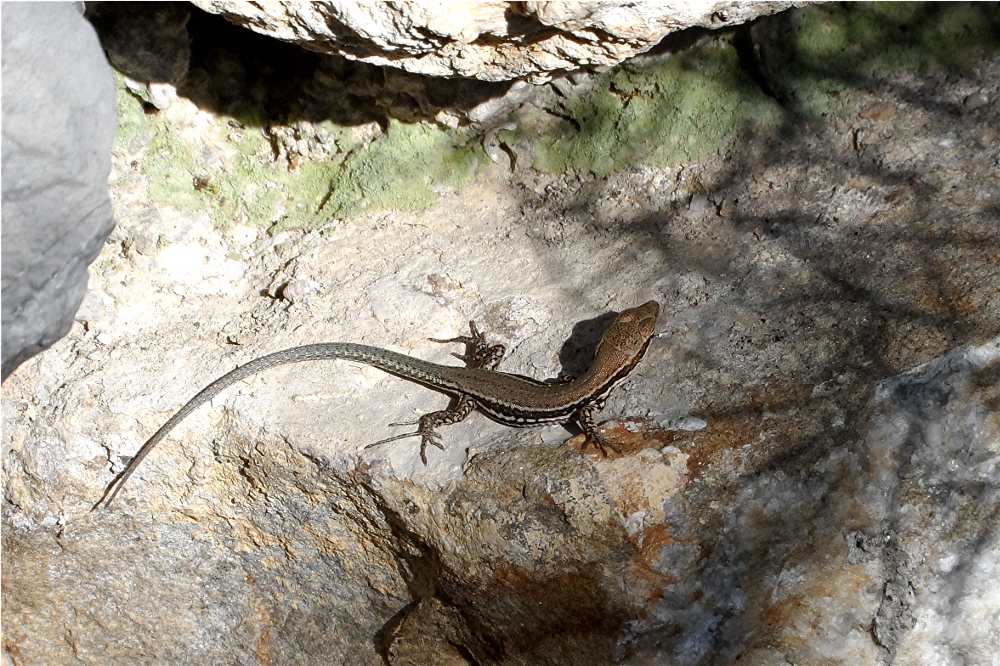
[
  {"x": 58, "y": 125},
  {"x": 827, "y": 353},
  {"x": 493, "y": 41}
]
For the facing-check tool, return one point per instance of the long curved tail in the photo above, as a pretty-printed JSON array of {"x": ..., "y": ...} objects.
[{"x": 381, "y": 358}]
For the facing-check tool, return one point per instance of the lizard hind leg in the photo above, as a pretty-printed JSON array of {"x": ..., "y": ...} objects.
[
  {"x": 479, "y": 354},
  {"x": 428, "y": 423}
]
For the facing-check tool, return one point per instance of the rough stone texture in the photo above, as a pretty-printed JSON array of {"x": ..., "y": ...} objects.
[
  {"x": 58, "y": 127},
  {"x": 493, "y": 41},
  {"x": 809, "y": 455}
]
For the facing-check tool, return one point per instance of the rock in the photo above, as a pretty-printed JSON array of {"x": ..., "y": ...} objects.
[
  {"x": 298, "y": 291},
  {"x": 488, "y": 41},
  {"x": 827, "y": 344},
  {"x": 975, "y": 100},
  {"x": 58, "y": 125},
  {"x": 538, "y": 553}
]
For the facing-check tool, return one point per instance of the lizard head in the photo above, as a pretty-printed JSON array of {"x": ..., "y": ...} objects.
[{"x": 625, "y": 342}]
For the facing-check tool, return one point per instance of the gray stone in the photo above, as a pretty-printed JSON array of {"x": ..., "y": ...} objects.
[
  {"x": 489, "y": 41},
  {"x": 58, "y": 125}
]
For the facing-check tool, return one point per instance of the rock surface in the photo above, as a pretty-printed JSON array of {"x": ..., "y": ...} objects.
[
  {"x": 809, "y": 451},
  {"x": 494, "y": 41},
  {"x": 58, "y": 126}
]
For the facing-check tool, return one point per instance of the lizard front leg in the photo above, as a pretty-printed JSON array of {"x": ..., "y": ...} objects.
[
  {"x": 584, "y": 416},
  {"x": 479, "y": 353}
]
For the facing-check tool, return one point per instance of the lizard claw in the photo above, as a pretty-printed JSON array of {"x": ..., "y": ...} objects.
[
  {"x": 600, "y": 442},
  {"x": 393, "y": 438},
  {"x": 428, "y": 437},
  {"x": 480, "y": 354},
  {"x": 425, "y": 430},
  {"x": 477, "y": 339}
]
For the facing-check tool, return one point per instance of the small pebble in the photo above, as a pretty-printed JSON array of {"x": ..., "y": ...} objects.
[
  {"x": 689, "y": 423},
  {"x": 162, "y": 95},
  {"x": 975, "y": 100},
  {"x": 698, "y": 204},
  {"x": 296, "y": 290}
]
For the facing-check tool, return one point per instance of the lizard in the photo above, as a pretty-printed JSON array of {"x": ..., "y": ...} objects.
[{"x": 511, "y": 399}]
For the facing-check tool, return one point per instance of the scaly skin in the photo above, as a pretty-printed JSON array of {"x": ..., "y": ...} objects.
[{"x": 510, "y": 399}]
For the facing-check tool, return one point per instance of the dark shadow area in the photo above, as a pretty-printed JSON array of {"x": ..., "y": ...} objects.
[
  {"x": 921, "y": 34},
  {"x": 578, "y": 351},
  {"x": 234, "y": 71}
]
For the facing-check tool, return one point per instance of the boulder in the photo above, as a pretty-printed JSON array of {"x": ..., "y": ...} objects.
[
  {"x": 495, "y": 41},
  {"x": 58, "y": 125}
]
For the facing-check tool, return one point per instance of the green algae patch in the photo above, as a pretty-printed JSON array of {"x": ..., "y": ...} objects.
[
  {"x": 688, "y": 106},
  {"x": 229, "y": 168},
  {"x": 401, "y": 170},
  {"x": 659, "y": 111},
  {"x": 155, "y": 152},
  {"x": 702, "y": 99}
]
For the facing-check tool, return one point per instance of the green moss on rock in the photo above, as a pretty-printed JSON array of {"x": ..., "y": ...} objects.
[
  {"x": 400, "y": 171},
  {"x": 694, "y": 103},
  {"x": 657, "y": 111}
]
